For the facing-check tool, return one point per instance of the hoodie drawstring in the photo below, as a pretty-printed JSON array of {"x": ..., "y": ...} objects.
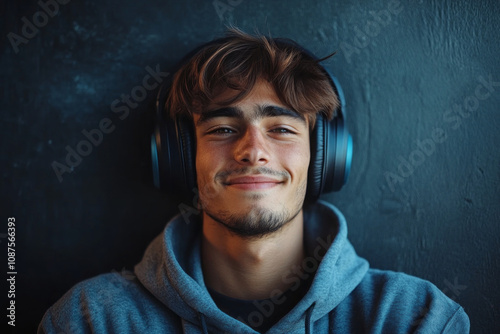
[
  {"x": 308, "y": 319},
  {"x": 203, "y": 323}
]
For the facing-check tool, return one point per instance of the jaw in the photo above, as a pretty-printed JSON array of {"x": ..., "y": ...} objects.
[
  {"x": 253, "y": 215},
  {"x": 252, "y": 212},
  {"x": 256, "y": 224}
]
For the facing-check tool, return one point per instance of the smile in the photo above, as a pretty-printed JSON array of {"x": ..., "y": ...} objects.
[{"x": 256, "y": 182}]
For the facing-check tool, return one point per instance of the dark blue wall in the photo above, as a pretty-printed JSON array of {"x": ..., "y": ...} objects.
[{"x": 422, "y": 83}]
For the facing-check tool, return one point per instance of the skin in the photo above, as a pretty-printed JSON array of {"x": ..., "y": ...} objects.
[{"x": 251, "y": 162}]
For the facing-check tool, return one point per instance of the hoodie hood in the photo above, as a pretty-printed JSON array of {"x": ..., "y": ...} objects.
[{"x": 171, "y": 270}]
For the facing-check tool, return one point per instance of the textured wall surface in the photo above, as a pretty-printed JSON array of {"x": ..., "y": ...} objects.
[{"x": 422, "y": 83}]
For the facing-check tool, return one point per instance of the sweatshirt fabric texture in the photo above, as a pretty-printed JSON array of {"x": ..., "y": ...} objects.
[{"x": 167, "y": 292}]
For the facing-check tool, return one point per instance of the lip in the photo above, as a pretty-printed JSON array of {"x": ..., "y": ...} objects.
[{"x": 253, "y": 182}]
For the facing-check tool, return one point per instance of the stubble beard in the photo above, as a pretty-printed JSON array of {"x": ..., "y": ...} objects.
[{"x": 257, "y": 222}]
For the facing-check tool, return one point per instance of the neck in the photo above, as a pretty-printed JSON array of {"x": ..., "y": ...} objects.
[{"x": 251, "y": 268}]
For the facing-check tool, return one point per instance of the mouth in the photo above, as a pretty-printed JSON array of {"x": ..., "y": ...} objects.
[{"x": 253, "y": 182}]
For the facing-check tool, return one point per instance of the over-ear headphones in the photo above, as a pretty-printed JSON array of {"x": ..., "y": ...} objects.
[{"x": 173, "y": 148}]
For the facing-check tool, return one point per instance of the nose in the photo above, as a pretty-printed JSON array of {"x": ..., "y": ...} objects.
[{"x": 251, "y": 148}]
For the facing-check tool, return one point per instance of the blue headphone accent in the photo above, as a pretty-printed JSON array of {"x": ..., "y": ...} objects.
[
  {"x": 173, "y": 150},
  {"x": 340, "y": 94}
]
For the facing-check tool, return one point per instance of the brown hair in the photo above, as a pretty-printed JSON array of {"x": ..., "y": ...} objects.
[{"x": 237, "y": 61}]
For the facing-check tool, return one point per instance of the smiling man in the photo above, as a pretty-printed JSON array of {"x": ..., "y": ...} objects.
[
  {"x": 252, "y": 165},
  {"x": 257, "y": 259},
  {"x": 253, "y": 161}
]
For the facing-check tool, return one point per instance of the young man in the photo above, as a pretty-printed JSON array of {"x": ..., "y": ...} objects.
[{"x": 256, "y": 259}]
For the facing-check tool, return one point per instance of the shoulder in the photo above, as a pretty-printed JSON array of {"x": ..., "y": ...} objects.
[
  {"x": 397, "y": 285},
  {"x": 113, "y": 302},
  {"x": 397, "y": 302}
]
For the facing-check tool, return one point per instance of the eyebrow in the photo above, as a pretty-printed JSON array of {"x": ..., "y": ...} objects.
[{"x": 235, "y": 112}]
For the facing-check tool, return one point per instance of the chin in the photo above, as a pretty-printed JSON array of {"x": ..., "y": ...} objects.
[{"x": 254, "y": 202}]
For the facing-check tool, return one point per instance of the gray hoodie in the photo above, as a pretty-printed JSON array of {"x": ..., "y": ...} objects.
[{"x": 167, "y": 294}]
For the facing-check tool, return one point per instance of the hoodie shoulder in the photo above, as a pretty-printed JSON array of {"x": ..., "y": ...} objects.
[
  {"x": 393, "y": 302},
  {"x": 108, "y": 303}
]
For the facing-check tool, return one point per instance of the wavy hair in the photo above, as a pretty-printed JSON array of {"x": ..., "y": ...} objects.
[{"x": 237, "y": 61}]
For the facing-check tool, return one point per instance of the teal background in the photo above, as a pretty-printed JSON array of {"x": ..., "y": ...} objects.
[{"x": 424, "y": 191}]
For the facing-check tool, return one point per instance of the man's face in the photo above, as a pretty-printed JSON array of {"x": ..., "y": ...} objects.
[{"x": 252, "y": 159}]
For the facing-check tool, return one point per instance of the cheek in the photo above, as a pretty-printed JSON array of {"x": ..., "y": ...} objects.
[
  {"x": 209, "y": 159},
  {"x": 306, "y": 158},
  {"x": 304, "y": 166},
  {"x": 203, "y": 159},
  {"x": 203, "y": 172},
  {"x": 206, "y": 190},
  {"x": 297, "y": 160},
  {"x": 208, "y": 163},
  {"x": 202, "y": 169}
]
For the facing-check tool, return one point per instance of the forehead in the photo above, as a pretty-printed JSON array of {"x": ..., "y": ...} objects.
[
  {"x": 249, "y": 115},
  {"x": 262, "y": 101},
  {"x": 261, "y": 92}
]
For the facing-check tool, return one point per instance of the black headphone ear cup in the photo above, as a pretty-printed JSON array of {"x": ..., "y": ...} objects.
[
  {"x": 331, "y": 155},
  {"x": 316, "y": 164},
  {"x": 173, "y": 154},
  {"x": 187, "y": 149}
]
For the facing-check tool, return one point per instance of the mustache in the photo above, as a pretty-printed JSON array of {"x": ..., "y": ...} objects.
[{"x": 222, "y": 175}]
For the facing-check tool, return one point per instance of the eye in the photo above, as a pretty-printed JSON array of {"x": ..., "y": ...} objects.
[
  {"x": 221, "y": 131},
  {"x": 282, "y": 130}
]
